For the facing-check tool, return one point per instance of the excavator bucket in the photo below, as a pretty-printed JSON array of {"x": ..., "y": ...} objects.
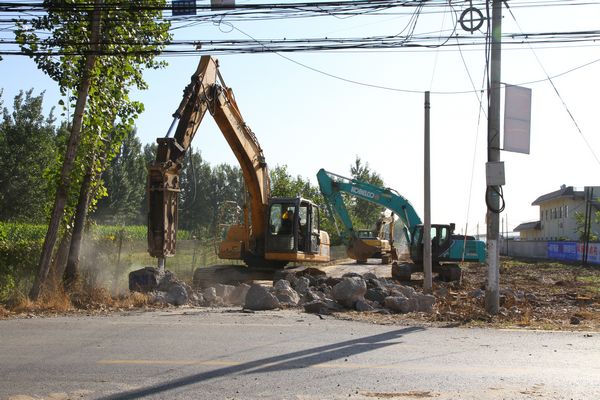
[{"x": 360, "y": 251}]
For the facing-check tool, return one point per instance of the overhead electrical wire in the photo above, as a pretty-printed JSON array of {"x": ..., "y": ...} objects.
[{"x": 551, "y": 81}]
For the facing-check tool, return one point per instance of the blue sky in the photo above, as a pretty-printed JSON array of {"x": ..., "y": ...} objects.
[{"x": 308, "y": 120}]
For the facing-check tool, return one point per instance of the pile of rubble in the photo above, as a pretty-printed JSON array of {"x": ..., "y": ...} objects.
[{"x": 310, "y": 289}]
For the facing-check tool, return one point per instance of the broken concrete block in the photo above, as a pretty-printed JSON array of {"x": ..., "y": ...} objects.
[
  {"x": 238, "y": 295},
  {"x": 285, "y": 294},
  {"x": 259, "y": 298},
  {"x": 363, "y": 305},
  {"x": 224, "y": 291},
  {"x": 400, "y": 304},
  {"x": 177, "y": 295},
  {"x": 325, "y": 307},
  {"x": 349, "y": 290},
  {"x": 369, "y": 275},
  {"x": 406, "y": 291},
  {"x": 210, "y": 295},
  {"x": 301, "y": 285},
  {"x": 377, "y": 294},
  {"x": 145, "y": 279}
]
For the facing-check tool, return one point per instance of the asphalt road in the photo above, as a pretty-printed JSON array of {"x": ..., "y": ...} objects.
[{"x": 227, "y": 354}]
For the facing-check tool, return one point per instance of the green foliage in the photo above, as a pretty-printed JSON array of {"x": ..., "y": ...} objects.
[
  {"x": 580, "y": 226},
  {"x": 283, "y": 184},
  {"x": 60, "y": 42},
  {"x": 125, "y": 183},
  {"x": 20, "y": 246},
  {"x": 29, "y": 147},
  {"x": 364, "y": 213}
]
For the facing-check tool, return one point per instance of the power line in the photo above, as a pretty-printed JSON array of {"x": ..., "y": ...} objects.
[{"x": 567, "y": 109}]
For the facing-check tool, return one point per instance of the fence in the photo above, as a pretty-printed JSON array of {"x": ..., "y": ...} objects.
[{"x": 561, "y": 251}]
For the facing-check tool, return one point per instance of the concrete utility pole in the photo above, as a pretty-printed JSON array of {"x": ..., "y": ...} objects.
[
  {"x": 427, "y": 281},
  {"x": 492, "y": 291}
]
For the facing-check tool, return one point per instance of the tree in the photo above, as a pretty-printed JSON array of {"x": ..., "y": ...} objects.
[
  {"x": 195, "y": 209},
  {"x": 283, "y": 184},
  {"x": 227, "y": 185},
  {"x": 125, "y": 183},
  {"x": 364, "y": 213},
  {"x": 580, "y": 227},
  {"x": 103, "y": 50},
  {"x": 28, "y": 153}
]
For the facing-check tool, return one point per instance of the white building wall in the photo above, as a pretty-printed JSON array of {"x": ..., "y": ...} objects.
[{"x": 557, "y": 218}]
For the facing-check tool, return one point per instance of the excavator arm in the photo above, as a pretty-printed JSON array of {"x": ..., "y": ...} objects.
[
  {"x": 205, "y": 92},
  {"x": 333, "y": 185}
]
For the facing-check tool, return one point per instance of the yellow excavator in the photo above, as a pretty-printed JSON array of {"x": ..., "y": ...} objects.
[{"x": 274, "y": 231}]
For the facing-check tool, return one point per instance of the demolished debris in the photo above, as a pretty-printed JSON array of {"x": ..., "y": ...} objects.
[{"x": 310, "y": 289}]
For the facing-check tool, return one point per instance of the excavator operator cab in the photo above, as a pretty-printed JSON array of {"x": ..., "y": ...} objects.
[
  {"x": 293, "y": 230},
  {"x": 441, "y": 236}
]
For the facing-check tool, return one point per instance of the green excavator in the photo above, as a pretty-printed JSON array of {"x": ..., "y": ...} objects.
[{"x": 447, "y": 248}]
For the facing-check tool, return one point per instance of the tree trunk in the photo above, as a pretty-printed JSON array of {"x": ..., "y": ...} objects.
[
  {"x": 60, "y": 259},
  {"x": 65, "y": 173},
  {"x": 71, "y": 274}
]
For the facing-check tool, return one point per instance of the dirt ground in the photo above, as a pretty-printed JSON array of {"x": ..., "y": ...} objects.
[{"x": 534, "y": 295}]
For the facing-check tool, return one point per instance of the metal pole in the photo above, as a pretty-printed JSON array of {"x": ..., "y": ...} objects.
[
  {"x": 160, "y": 265},
  {"x": 506, "y": 234},
  {"x": 492, "y": 292},
  {"x": 427, "y": 281}
]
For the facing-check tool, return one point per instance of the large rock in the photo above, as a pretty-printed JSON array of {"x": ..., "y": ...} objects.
[
  {"x": 177, "y": 294},
  {"x": 311, "y": 295},
  {"x": 374, "y": 283},
  {"x": 325, "y": 306},
  {"x": 224, "y": 291},
  {"x": 238, "y": 295},
  {"x": 349, "y": 290},
  {"x": 285, "y": 294},
  {"x": 259, "y": 298},
  {"x": 406, "y": 291},
  {"x": 364, "y": 305},
  {"x": 301, "y": 285},
  {"x": 145, "y": 280},
  {"x": 377, "y": 294},
  {"x": 369, "y": 275},
  {"x": 400, "y": 304},
  {"x": 210, "y": 295}
]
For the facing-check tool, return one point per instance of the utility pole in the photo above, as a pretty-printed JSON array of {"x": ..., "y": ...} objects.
[
  {"x": 492, "y": 292},
  {"x": 427, "y": 272}
]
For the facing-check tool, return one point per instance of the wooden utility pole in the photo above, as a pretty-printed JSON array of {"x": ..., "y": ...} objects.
[
  {"x": 427, "y": 272},
  {"x": 492, "y": 292}
]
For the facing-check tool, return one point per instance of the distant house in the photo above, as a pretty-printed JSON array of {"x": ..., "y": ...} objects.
[{"x": 557, "y": 215}]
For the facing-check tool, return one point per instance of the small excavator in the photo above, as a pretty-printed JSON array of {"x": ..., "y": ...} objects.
[
  {"x": 274, "y": 231},
  {"x": 447, "y": 248},
  {"x": 376, "y": 238}
]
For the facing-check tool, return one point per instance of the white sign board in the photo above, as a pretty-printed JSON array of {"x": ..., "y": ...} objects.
[
  {"x": 219, "y": 4},
  {"x": 517, "y": 119}
]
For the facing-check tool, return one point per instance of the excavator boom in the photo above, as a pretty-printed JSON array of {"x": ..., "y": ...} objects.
[
  {"x": 446, "y": 246},
  {"x": 205, "y": 92},
  {"x": 293, "y": 234}
]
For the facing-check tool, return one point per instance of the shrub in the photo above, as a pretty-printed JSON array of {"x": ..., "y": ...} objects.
[{"x": 20, "y": 247}]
